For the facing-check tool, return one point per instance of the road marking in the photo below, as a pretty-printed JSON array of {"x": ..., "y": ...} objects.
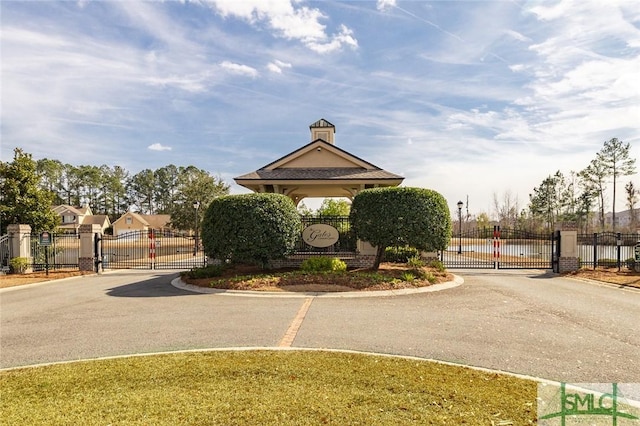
[{"x": 292, "y": 331}]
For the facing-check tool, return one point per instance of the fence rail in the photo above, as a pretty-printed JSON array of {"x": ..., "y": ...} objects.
[
  {"x": 607, "y": 249},
  {"x": 63, "y": 253}
]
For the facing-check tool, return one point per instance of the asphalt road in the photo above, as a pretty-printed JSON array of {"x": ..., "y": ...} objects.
[{"x": 526, "y": 322}]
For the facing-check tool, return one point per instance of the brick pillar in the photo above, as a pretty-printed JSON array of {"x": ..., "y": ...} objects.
[
  {"x": 86, "y": 260},
  {"x": 20, "y": 243},
  {"x": 569, "y": 259}
]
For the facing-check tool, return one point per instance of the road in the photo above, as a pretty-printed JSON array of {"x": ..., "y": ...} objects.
[{"x": 526, "y": 322}]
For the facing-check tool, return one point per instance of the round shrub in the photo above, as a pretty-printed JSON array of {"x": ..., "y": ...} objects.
[
  {"x": 250, "y": 228},
  {"x": 398, "y": 216},
  {"x": 323, "y": 264}
]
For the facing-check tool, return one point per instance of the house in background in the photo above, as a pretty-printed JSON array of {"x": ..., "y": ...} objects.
[
  {"x": 73, "y": 217},
  {"x": 135, "y": 222}
]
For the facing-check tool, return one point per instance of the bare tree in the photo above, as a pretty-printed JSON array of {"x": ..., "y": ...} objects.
[{"x": 506, "y": 209}]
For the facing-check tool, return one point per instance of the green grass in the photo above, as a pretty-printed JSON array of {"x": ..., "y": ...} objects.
[{"x": 263, "y": 388}]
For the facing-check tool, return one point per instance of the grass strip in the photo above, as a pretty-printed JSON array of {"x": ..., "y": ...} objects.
[{"x": 263, "y": 387}]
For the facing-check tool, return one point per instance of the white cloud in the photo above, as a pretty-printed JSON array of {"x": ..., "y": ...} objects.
[
  {"x": 158, "y": 147},
  {"x": 288, "y": 21},
  {"x": 277, "y": 66},
  {"x": 239, "y": 69},
  {"x": 385, "y": 4}
]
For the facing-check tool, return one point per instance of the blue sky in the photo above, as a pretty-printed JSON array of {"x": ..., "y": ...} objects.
[{"x": 469, "y": 98}]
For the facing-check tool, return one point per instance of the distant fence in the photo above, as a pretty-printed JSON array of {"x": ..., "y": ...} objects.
[{"x": 607, "y": 249}]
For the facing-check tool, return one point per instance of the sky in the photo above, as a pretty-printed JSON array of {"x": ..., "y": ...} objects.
[{"x": 474, "y": 99}]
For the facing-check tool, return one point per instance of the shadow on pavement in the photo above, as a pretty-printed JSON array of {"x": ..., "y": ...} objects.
[{"x": 155, "y": 287}]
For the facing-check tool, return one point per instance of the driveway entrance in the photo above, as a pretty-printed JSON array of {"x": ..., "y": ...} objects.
[
  {"x": 151, "y": 250},
  {"x": 485, "y": 248}
]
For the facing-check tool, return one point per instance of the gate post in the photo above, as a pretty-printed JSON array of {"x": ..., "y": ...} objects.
[
  {"x": 86, "y": 260},
  {"x": 568, "y": 259},
  {"x": 20, "y": 243}
]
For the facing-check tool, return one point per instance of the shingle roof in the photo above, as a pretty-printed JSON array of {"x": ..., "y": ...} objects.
[
  {"x": 321, "y": 123},
  {"x": 350, "y": 173}
]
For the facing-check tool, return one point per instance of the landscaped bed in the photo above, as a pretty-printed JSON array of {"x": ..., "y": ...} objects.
[{"x": 390, "y": 276}]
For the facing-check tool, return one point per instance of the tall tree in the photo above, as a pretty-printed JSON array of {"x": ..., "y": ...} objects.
[
  {"x": 632, "y": 199},
  {"x": 614, "y": 157},
  {"x": 194, "y": 185},
  {"x": 166, "y": 187},
  {"x": 593, "y": 181},
  {"x": 141, "y": 190},
  {"x": 22, "y": 200},
  {"x": 50, "y": 172},
  {"x": 114, "y": 196},
  {"x": 545, "y": 202}
]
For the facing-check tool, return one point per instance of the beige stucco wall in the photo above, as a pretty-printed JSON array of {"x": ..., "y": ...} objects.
[{"x": 318, "y": 159}]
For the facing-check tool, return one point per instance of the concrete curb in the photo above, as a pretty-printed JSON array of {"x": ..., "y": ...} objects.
[{"x": 178, "y": 283}]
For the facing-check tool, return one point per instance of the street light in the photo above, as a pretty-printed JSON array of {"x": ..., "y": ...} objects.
[
  {"x": 196, "y": 206},
  {"x": 460, "y": 204}
]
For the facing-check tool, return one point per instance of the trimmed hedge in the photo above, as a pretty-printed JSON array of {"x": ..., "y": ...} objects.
[
  {"x": 250, "y": 228},
  {"x": 399, "y": 216}
]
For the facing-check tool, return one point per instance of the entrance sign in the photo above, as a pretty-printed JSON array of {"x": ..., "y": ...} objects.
[
  {"x": 45, "y": 239},
  {"x": 636, "y": 250},
  {"x": 320, "y": 235}
]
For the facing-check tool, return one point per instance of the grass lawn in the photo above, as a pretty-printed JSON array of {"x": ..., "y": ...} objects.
[{"x": 263, "y": 388}]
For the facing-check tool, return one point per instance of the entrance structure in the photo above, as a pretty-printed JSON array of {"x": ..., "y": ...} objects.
[{"x": 318, "y": 169}]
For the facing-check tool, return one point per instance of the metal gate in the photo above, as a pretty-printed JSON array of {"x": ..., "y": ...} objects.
[
  {"x": 487, "y": 248},
  {"x": 62, "y": 252},
  {"x": 151, "y": 250}
]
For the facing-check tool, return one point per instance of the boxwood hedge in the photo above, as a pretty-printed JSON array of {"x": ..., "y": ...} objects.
[
  {"x": 250, "y": 228},
  {"x": 399, "y": 216}
]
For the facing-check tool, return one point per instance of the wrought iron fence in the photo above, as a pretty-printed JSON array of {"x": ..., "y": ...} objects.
[
  {"x": 62, "y": 253},
  {"x": 5, "y": 252},
  {"x": 346, "y": 238},
  {"x": 607, "y": 249}
]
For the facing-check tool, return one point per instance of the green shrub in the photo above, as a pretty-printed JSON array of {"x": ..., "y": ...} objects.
[
  {"x": 415, "y": 262},
  {"x": 250, "y": 228},
  {"x": 208, "y": 271},
  {"x": 408, "y": 277},
  {"x": 437, "y": 265},
  {"x": 630, "y": 262},
  {"x": 19, "y": 265},
  {"x": 608, "y": 263},
  {"x": 399, "y": 216},
  {"x": 400, "y": 254},
  {"x": 323, "y": 264}
]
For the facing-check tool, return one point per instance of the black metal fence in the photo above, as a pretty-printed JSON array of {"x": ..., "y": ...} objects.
[
  {"x": 495, "y": 248},
  {"x": 61, "y": 252},
  {"x": 152, "y": 250},
  {"x": 607, "y": 249}
]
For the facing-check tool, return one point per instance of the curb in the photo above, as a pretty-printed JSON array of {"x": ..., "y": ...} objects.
[{"x": 178, "y": 283}]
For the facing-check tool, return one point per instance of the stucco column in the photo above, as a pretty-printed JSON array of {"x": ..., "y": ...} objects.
[
  {"x": 20, "y": 243},
  {"x": 569, "y": 257},
  {"x": 87, "y": 257}
]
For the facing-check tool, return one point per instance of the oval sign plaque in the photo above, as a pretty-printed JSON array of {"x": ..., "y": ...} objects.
[{"x": 320, "y": 235}]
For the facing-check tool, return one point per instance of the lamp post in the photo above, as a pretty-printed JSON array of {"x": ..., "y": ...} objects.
[
  {"x": 460, "y": 204},
  {"x": 196, "y": 206}
]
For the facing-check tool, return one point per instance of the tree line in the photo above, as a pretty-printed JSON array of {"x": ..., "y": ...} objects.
[
  {"x": 31, "y": 187},
  {"x": 578, "y": 197}
]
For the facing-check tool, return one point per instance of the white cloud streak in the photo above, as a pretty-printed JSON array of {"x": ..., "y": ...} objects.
[
  {"x": 158, "y": 147},
  {"x": 289, "y": 21}
]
